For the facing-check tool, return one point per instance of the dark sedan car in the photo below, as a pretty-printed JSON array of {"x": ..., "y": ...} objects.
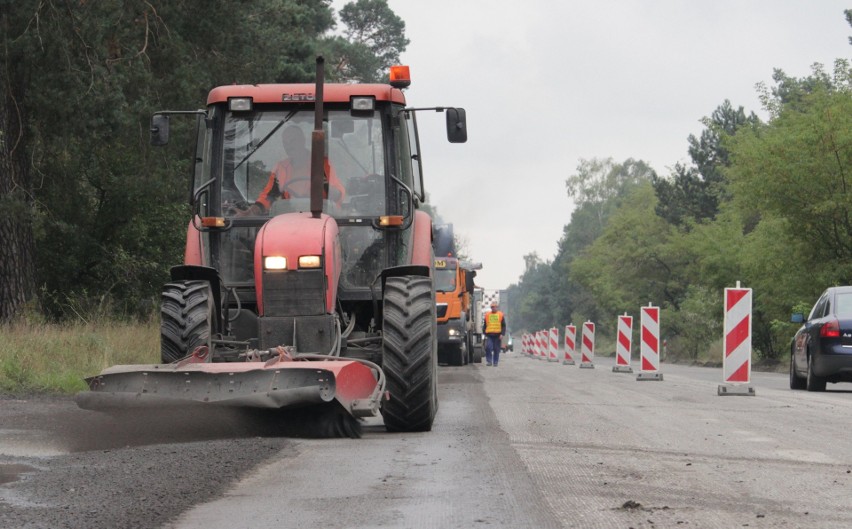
[{"x": 822, "y": 348}]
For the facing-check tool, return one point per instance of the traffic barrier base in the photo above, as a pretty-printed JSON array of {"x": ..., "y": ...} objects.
[
  {"x": 653, "y": 375},
  {"x": 622, "y": 369},
  {"x": 587, "y": 365},
  {"x": 568, "y": 363},
  {"x": 736, "y": 389}
]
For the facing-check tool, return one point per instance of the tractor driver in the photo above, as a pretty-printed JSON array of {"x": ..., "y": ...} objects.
[{"x": 291, "y": 176}]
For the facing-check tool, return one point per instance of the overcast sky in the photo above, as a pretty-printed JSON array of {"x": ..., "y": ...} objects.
[{"x": 546, "y": 83}]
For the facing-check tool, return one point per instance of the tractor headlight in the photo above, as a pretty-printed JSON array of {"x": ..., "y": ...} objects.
[
  {"x": 453, "y": 332},
  {"x": 363, "y": 103},
  {"x": 240, "y": 104},
  {"x": 310, "y": 261},
  {"x": 275, "y": 262}
]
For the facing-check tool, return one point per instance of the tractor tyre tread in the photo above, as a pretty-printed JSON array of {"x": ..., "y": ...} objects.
[
  {"x": 409, "y": 354},
  {"x": 185, "y": 318}
]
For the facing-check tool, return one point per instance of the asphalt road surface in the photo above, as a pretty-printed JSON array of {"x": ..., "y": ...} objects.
[{"x": 528, "y": 444}]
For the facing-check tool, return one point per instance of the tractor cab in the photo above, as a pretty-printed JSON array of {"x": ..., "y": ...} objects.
[
  {"x": 254, "y": 155},
  {"x": 372, "y": 183},
  {"x": 371, "y": 186}
]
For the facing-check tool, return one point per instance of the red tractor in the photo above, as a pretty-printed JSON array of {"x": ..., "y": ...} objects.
[{"x": 303, "y": 282}]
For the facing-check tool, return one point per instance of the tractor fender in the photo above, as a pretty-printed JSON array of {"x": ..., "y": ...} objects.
[
  {"x": 422, "y": 244},
  {"x": 293, "y": 235},
  {"x": 193, "y": 253},
  {"x": 399, "y": 271}
]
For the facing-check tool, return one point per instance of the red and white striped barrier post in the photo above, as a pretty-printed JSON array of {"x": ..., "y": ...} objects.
[
  {"x": 553, "y": 350},
  {"x": 570, "y": 345},
  {"x": 736, "y": 363},
  {"x": 539, "y": 346},
  {"x": 623, "y": 344},
  {"x": 587, "y": 346},
  {"x": 649, "y": 349}
]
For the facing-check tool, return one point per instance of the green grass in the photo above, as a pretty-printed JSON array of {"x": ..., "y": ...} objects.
[{"x": 45, "y": 358}]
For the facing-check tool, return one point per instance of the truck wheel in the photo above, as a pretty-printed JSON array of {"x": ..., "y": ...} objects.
[
  {"x": 455, "y": 355},
  {"x": 410, "y": 354},
  {"x": 186, "y": 318},
  {"x": 476, "y": 353}
]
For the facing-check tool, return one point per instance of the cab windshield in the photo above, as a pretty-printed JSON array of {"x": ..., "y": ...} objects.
[
  {"x": 266, "y": 172},
  {"x": 445, "y": 279},
  {"x": 267, "y": 163}
]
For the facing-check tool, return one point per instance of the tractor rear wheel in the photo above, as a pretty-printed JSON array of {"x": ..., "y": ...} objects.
[
  {"x": 186, "y": 318},
  {"x": 410, "y": 354}
]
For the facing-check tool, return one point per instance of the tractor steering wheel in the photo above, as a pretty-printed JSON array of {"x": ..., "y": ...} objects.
[
  {"x": 286, "y": 187},
  {"x": 333, "y": 193}
]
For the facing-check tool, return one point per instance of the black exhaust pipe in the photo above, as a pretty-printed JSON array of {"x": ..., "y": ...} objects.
[{"x": 318, "y": 144}]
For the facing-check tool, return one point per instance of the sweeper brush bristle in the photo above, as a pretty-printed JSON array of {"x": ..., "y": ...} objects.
[{"x": 327, "y": 421}]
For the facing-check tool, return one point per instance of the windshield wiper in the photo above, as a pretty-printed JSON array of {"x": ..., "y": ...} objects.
[{"x": 271, "y": 132}]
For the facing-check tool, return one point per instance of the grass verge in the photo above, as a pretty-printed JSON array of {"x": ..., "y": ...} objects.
[{"x": 46, "y": 358}]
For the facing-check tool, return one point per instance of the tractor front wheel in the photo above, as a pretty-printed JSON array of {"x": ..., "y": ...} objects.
[
  {"x": 410, "y": 354},
  {"x": 186, "y": 318}
]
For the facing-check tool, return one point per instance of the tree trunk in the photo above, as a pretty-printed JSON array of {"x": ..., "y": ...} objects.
[{"x": 17, "y": 246}]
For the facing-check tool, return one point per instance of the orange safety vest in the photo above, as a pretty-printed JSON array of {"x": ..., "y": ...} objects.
[
  {"x": 494, "y": 322},
  {"x": 283, "y": 173}
]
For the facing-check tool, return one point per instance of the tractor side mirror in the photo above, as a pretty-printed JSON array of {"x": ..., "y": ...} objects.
[
  {"x": 456, "y": 125},
  {"x": 159, "y": 130}
]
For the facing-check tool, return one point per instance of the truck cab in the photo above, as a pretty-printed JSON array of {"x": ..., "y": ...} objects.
[{"x": 454, "y": 301}]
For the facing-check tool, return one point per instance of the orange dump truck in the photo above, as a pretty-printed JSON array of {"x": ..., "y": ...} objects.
[{"x": 454, "y": 302}]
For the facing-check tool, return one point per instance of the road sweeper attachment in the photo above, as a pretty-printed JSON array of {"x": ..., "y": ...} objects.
[{"x": 308, "y": 272}]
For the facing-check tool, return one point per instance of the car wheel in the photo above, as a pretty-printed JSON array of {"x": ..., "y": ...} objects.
[
  {"x": 814, "y": 383},
  {"x": 796, "y": 382}
]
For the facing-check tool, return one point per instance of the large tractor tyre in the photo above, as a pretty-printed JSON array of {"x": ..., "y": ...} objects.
[
  {"x": 186, "y": 318},
  {"x": 410, "y": 354}
]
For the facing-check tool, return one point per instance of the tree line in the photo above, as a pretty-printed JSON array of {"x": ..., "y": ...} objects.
[
  {"x": 92, "y": 217},
  {"x": 765, "y": 203}
]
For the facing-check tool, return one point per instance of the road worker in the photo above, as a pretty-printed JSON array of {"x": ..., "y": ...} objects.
[{"x": 494, "y": 327}]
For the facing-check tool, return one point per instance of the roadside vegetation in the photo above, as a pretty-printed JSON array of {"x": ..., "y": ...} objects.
[{"x": 56, "y": 357}]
